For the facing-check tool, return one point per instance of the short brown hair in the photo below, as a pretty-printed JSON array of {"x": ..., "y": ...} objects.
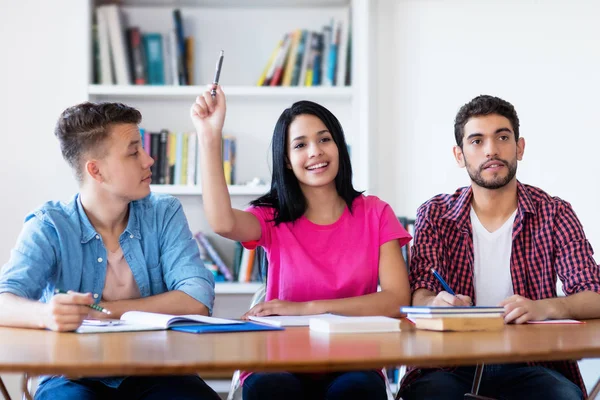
[
  {"x": 480, "y": 106},
  {"x": 82, "y": 128}
]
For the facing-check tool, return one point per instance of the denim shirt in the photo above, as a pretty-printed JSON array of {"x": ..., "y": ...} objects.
[{"x": 59, "y": 248}]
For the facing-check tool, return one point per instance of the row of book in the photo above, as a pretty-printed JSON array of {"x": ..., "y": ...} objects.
[
  {"x": 176, "y": 158},
  {"x": 307, "y": 58},
  {"x": 125, "y": 55},
  {"x": 248, "y": 265}
]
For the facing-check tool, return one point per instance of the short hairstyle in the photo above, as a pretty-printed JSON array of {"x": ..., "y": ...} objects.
[
  {"x": 484, "y": 105},
  {"x": 83, "y": 128},
  {"x": 285, "y": 195}
]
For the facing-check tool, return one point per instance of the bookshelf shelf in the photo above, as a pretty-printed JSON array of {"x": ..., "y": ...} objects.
[
  {"x": 237, "y": 288},
  {"x": 186, "y": 190},
  {"x": 187, "y": 92}
]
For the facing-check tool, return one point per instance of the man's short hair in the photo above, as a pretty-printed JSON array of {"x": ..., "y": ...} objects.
[
  {"x": 83, "y": 128},
  {"x": 480, "y": 106}
]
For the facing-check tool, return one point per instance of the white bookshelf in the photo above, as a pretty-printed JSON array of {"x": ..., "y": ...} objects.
[
  {"x": 247, "y": 30},
  {"x": 232, "y": 92},
  {"x": 188, "y": 190}
]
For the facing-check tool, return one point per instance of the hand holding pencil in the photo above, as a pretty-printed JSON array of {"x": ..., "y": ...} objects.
[
  {"x": 447, "y": 297},
  {"x": 67, "y": 310}
]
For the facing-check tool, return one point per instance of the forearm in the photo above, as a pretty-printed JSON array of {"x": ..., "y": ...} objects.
[
  {"x": 16, "y": 311},
  {"x": 215, "y": 195},
  {"x": 583, "y": 305},
  {"x": 174, "y": 302},
  {"x": 381, "y": 303}
]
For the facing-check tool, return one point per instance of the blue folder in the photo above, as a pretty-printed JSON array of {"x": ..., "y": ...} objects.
[{"x": 209, "y": 328}]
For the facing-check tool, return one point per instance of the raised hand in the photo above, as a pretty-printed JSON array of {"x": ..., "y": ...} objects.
[{"x": 208, "y": 114}]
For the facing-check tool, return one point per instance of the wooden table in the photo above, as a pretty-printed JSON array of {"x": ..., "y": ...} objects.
[{"x": 296, "y": 349}]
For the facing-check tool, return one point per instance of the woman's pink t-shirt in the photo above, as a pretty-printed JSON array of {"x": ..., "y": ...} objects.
[{"x": 317, "y": 262}]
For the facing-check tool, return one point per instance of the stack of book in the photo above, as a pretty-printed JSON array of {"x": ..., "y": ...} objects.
[{"x": 456, "y": 318}]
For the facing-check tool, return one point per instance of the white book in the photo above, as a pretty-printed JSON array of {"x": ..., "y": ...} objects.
[
  {"x": 342, "y": 56},
  {"x": 192, "y": 153},
  {"x": 106, "y": 73},
  {"x": 368, "y": 324},
  {"x": 116, "y": 34},
  {"x": 147, "y": 321},
  {"x": 290, "y": 320}
]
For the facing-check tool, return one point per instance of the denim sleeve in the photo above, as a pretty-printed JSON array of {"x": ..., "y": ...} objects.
[
  {"x": 32, "y": 262},
  {"x": 180, "y": 258}
]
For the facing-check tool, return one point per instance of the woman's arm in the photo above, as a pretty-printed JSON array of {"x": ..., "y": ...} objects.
[
  {"x": 395, "y": 293},
  {"x": 208, "y": 116}
]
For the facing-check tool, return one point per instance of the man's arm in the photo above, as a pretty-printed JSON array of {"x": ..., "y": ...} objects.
[
  {"x": 576, "y": 268},
  {"x": 64, "y": 312},
  {"x": 191, "y": 283},
  {"x": 22, "y": 280},
  {"x": 583, "y": 305},
  {"x": 426, "y": 254}
]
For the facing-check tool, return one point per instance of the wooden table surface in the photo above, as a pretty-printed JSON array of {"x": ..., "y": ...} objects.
[{"x": 295, "y": 349}]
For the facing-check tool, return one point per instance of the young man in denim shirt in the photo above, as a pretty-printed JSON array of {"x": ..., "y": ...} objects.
[{"x": 113, "y": 244}]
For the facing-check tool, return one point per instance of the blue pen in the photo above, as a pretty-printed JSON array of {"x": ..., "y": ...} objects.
[{"x": 443, "y": 282}]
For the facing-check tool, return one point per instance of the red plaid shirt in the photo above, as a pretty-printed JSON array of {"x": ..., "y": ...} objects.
[{"x": 548, "y": 240}]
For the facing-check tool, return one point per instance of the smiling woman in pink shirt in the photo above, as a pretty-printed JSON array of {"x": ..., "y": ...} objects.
[{"x": 328, "y": 245}]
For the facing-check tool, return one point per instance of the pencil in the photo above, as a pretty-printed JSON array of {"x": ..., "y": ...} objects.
[
  {"x": 94, "y": 306},
  {"x": 213, "y": 91},
  {"x": 443, "y": 282}
]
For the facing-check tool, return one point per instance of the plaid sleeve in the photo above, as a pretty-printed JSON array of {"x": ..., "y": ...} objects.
[
  {"x": 425, "y": 254},
  {"x": 574, "y": 261}
]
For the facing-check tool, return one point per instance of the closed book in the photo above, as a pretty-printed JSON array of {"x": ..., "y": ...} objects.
[
  {"x": 118, "y": 46},
  {"x": 460, "y": 323},
  {"x": 451, "y": 310},
  {"x": 137, "y": 59},
  {"x": 370, "y": 324},
  {"x": 154, "y": 58}
]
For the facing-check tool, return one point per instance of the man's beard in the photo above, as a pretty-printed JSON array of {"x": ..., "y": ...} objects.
[{"x": 496, "y": 182}]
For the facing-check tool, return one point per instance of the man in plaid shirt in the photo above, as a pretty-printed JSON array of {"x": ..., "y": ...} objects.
[{"x": 500, "y": 242}]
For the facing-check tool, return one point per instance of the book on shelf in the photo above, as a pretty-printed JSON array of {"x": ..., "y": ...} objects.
[
  {"x": 175, "y": 156},
  {"x": 305, "y": 57},
  {"x": 128, "y": 55}
]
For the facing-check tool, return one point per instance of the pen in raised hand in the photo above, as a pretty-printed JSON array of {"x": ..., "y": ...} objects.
[{"x": 213, "y": 91}]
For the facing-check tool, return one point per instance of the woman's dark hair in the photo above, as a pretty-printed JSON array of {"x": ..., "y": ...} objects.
[{"x": 285, "y": 195}]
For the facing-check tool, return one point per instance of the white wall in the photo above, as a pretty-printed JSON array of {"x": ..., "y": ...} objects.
[
  {"x": 542, "y": 56},
  {"x": 41, "y": 74}
]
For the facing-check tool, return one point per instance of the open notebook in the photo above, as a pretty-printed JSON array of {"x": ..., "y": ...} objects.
[{"x": 146, "y": 321}]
